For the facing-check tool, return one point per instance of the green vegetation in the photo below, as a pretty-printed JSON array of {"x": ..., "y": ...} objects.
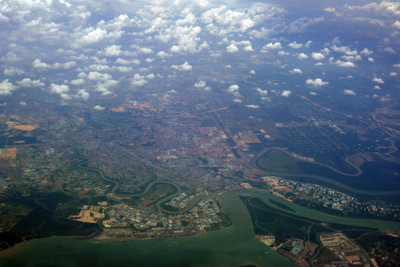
[
  {"x": 11, "y": 214},
  {"x": 277, "y": 161},
  {"x": 281, "y": 205},
  {"x": 268, "y": 220}
]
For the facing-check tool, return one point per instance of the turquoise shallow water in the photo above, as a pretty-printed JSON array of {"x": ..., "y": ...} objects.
[{"x": 233, "y": 246}]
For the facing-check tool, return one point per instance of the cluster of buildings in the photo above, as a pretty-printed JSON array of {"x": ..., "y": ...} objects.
[
  {"x": 329, "y": 198},
  {"x": 146, "y": 223}
]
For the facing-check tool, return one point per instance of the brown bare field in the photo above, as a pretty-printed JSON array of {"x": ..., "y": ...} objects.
[
  {"x": 18, "y": 126},
  {"x": 8, "y": 153}
]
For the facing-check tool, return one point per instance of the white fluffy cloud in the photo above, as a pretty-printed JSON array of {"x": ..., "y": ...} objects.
[
  {"x": 138, "y": 80},
  {"x": 6, "y": 87},
  {"x": 97, "y": 76},
  {"x": 233, "y": 88},
  {"x": 38, "y": 64},
  {"x": 184, "y": 67},
  {"x": 252, "y": 106},
  {"x": 286, "y": 93},
  {"x": 302, "y": 56},
  {"x": 318, "y": 82},
  {"x": 271, "y": 46},
  {"x": 345, "y": 64},
  {"x": 27, "y": 82},
  {"x": 262, "y": 92},
  {"x": 200, "y": 84},
  {"x": 112, "y": 51},
  {"x": 98, "y": 107},
  {"x": 59, "y": 89},
  {"x": 378, "y": 80},
  {"x": 295, "y": 45},
  {"x": 317, "y": 56},
  {"x": 232, "y": 48},
  {"x": 296, "y": 70},
  {"x": 13, "y": 71},
  {"x": 349, "y": 92}
]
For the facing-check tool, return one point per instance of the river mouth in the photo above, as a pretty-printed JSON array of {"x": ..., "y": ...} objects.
[{"x": 232, "y": 246}]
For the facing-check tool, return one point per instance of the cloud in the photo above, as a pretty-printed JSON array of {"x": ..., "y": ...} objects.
[
  {"x": 286, "y": 93},
  {"x": 317, "y": 56},
  {"x": 393, "y": 74},
  {"x": 97, "y": 76},
  {"x": 200, "y": 84},
  {"x": 27, "y": 82},
  {"x": 233, "y": 88},
  {"x": 82, "y": 93},
  {"x": 145, "y": 50},
  {"x": 378, "y": 80},
  {"x": 302, "y": 56},
  {"x": 248, "y": 48},
  {"x": 6, "y": 88},
  {"x": 112, "y": 51},
  {"x": 296, "y": 70},
  {"x": 13, "y": 71},
  {"x": 271, "y": 46},
  {"x": 317, "y": 82},
  {"x": 253, "y": 106},
  {"x": 232, "y": 48},
  {"x": 90, "y": 36},
  {"x": 237, "y": 100},
  {"x": 345, "y": 64},
  {"x": 59, "y": 89},
  {"x": 396, "y": 24},
  {"x": 262, "y": 92},
  {"x": 138, "y": 80},
  {"x": 77, "y": 82},
  {"x": 65, "y": 96},
  {"x": 98, "y": 107},
  {"x": 184, "y": 67},
  {"x": 37, "y": 64},
  {"x": 349, "y": 92},
  {"x": 301, "y": 24},
  {"x": 384, "y": 7},
  {"x": 295, "y": 45},
  {"x": 366, "y": 52}
]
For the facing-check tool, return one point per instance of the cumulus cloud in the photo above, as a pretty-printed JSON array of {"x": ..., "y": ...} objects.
[
  {"x": 393, "y": 74},
  {"x": 6, "y": 87},
  {"x": 77, "y": 81},
  {"x": 252, "y": 106},
  {"x": 82, "y": 93},
  {"x": 112, "y": 51},
  {"x": 184, "y": 67},
  {"x": 286, "y": 93},
  {"x": 138, "y": 80},
  {"x": 27, "y": 82},
  {"x": 345, "y": 64},
  {"x": 302, "y": 56},
  {"x": 59, "y": 89},
  {"x": 232, "y": 48},
  {"x": 317, "y": 56},
  {"x": 295, "y": 45},
  {"x": 248, "y": 48},
  {"x": 13, "y": 71},
  {"x": 396, "y": 24},
  {"x": 98, "y": 107},
  {"x": 271, "y": 46},
  {"x": 318, "y": 82},
  {"x": 262, "y": 92},
  {"x": 296, "y": 70},
  {"x": 378, "y": 80},
  {"x": 233, "y": 88},
  {"x": 97, "y": 76},
  {"x": 38, "y": 64},
  {"x": 200, "y": 84},
  {"x": 349, "y": 92}
]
